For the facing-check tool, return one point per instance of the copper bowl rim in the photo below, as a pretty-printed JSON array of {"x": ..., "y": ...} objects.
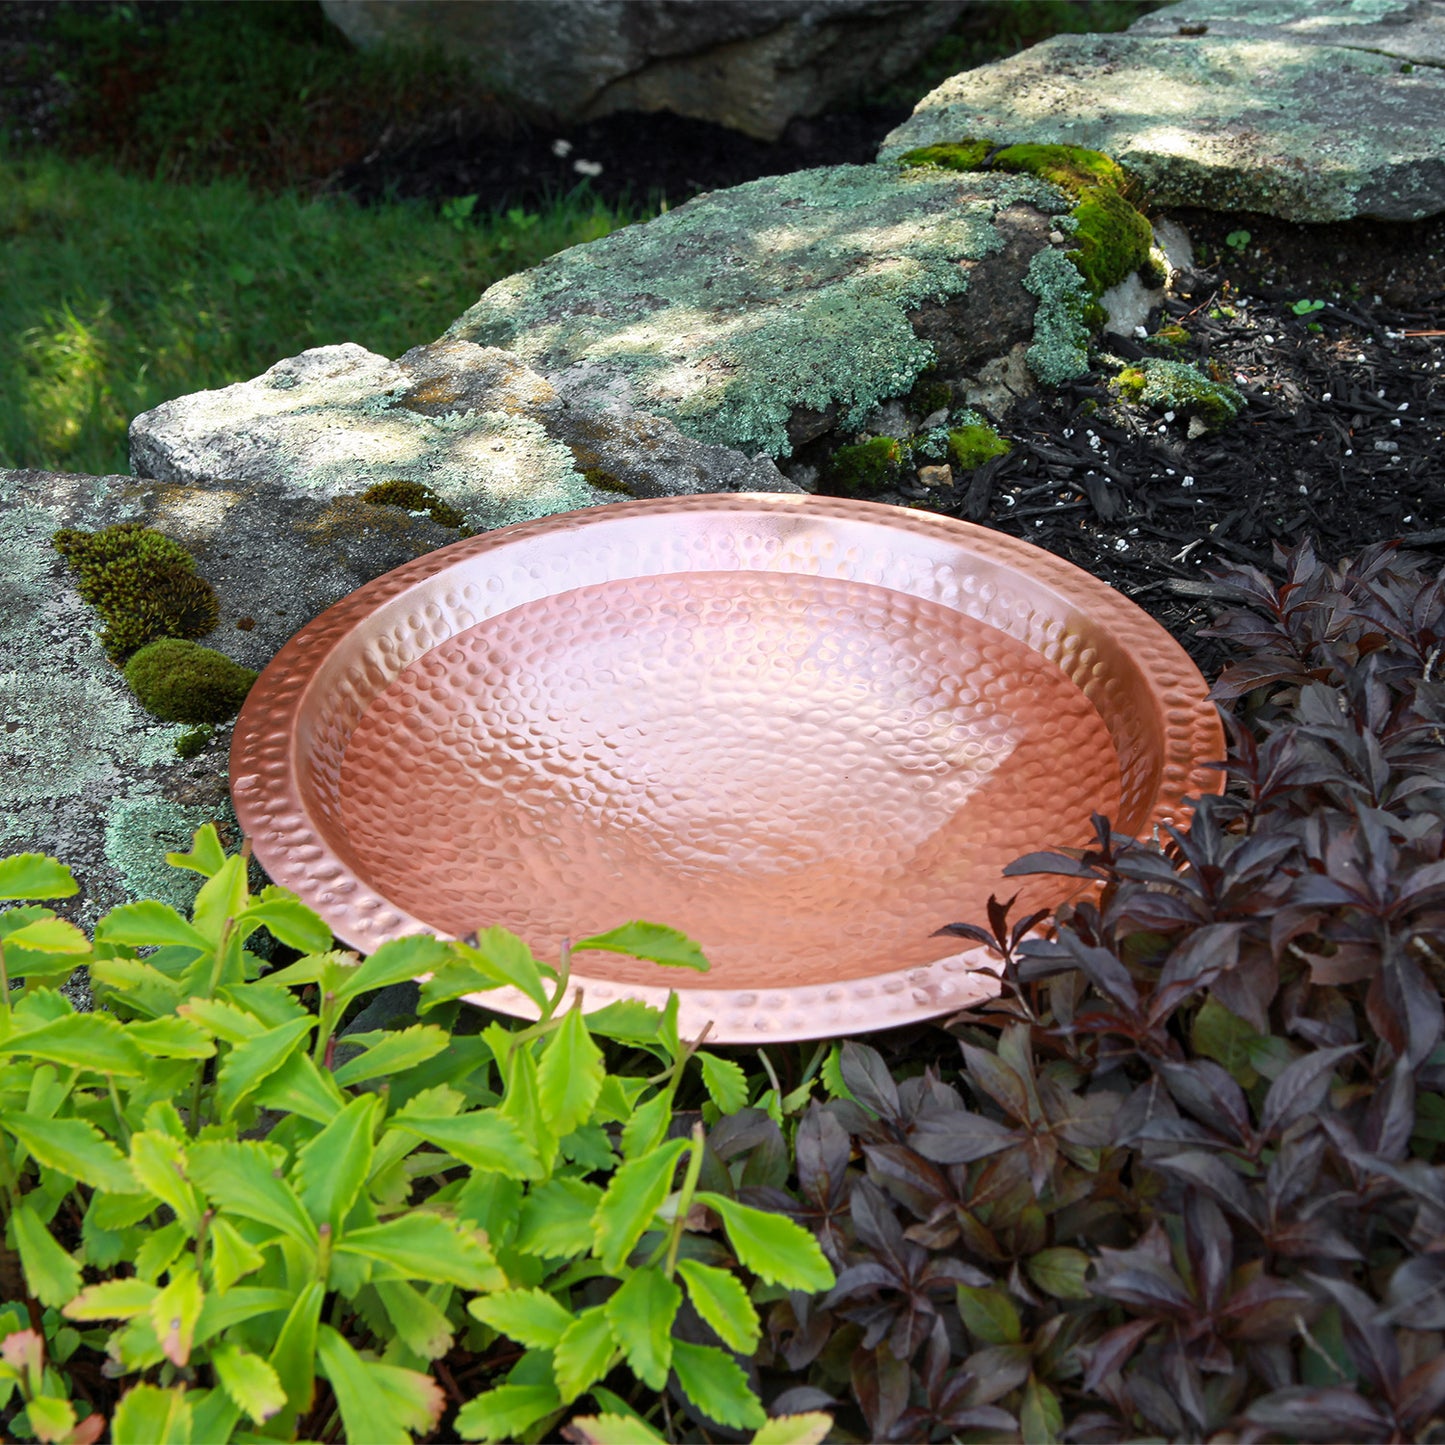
[{"x": 272, "y": 807}]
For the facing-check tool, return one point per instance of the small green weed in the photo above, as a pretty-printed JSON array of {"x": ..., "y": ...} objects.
[
  {"x": 1304, "y": 308},
  {"x": 1237, "y": 240}
]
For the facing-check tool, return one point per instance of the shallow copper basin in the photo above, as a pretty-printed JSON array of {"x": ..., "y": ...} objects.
[{"x": 808, "y": 732}]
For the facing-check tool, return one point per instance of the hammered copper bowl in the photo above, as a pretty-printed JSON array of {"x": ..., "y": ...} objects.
[{"x": 808, "y": 732}]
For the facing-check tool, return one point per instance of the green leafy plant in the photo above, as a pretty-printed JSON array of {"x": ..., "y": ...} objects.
[
  {"x": 1305, "y": 307},
  {"x": 264, "y": 1222},
  {"x": 1237, "y": 240},
  {"x": 457, "y": 211}
]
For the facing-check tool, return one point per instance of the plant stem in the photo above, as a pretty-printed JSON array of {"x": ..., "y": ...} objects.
[{"x": 684, "y": 1200}]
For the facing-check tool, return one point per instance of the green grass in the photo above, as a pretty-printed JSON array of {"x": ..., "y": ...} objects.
[{"x": 122, "y": 292}]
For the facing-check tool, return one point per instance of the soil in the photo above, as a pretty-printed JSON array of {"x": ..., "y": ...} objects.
[{"x": 1341, "y": 438}]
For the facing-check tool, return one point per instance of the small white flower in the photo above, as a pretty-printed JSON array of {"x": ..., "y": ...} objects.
[
  {"x": 561, "y": 148},
  {"x": 587, "y": 168}
]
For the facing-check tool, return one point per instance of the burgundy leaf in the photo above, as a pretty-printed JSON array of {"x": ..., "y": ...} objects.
[
  {"x": 1329, "y": 1415},
  {"x": 868, "y": 1079},
  {"x": 1211, "y": 1174},
  {"x": 960, "y": 1138},
  {"x": 1114, "y": 1349},
  {"x": 1422, "y": 1393},
  {"x": 880, "y": 1385},
  {"x": 1300, "y": 1089},
  {"x": 1416, "y": 1296},
  {"x": 996, "y": 1370},
  {"x": 1371, "y": 1344}
]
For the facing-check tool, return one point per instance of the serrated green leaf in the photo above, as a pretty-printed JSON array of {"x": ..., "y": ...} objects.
[
  {"x": 172, "y": 1038},
  {"x": 641, "y": 1313},
  {"x": 721, "y": 1300},
  {"x": 529, "y": 1316},
  {"x": 389, "y": 1052},
  {"x": 249, "y": 1063},
  {"x": 773, "y": 1247},
  {"x": 233, "y": 1257},
  {"x": 206, "y": 856},
  {"x": 158, "y": 1161},
  {"x": 141, "y": 925},
  {"x": 648, "y": 1126},
  {"x": 419, "y": 1323},
  {"x": 989, "y": 1315},
  {"x": 331, "y": 1168},
  {"x": 591, "y": 1147},
  {"x": 223, "y": 896},
  {"x": 174, "y": 1312},
  {"x": 74, "y": 1148},
  {"x": 300, "y": 1087},
  {"x": 50, "y": 1418},
  {"x": 424, "y": 1245},
  {"x": 725, "y": 1082},
  {"x": 507, "y": 1411},
  {"x": 214, "y": 1416},
  {"x": 225, "y": 1020},
  {"x": 248, "y": 1380},
  {"x": 631, "y": 1200},
  {"x": 485, "y": 1140},
  {"x": 809, "y": 1429},
  {"x": 626, "y": 1019},
  {"x": 379, "y": 1403},
  {"x": 611, "y": 1430},
  {"x": 399, "y": 961},
  {"x": 522, "y": 1103},
  {"x": 93, "y": 1041},
  {"x": 49, "y": 935},
  {"x": 293, "y": 1356},
  {"x": 111, "y": 1299},
  {"x": 289, "y": 920},
  {"x": 1060, "y": 1272},
  {"x": 653, "y": 941},
  {"x": 717, "y": 1385},
  {"x": 148, "y": 1415},
  {"x": 569, "y": 1075},
  {"x": 35, "y": 875},
  {"x": 143, "y": 987},
  {"x": 52, "y": 1275},
  {"x": 584, "y": 1353},
  {"x": 556, "y": 1219},
  {"x": 242, "y": 1176},
  {"x": 506, "y": 960},
  {"x": 159, "y": 1248}
]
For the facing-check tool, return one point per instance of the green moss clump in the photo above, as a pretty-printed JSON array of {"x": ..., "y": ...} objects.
[
  {"x": 964, "y": 155},
  {"x": 194, "y": 742},
  {"x": 1114, "y": 238},
  {"x": 413, "y": 497},
  {"x": 865, "y": 468},
  {"x": 971, "y": 446},
  {"x": 181, "y": 681},
  {"x": 929, "y": 395},
  {"x": 143, "y": 584},
  {"x": 1181, "y": 387},
  {"x": 607, "y": 481}
]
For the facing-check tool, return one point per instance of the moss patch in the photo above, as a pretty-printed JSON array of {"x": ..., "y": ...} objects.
[
  {"x": 182, "y": 681},
  {"x": 1180, "y": 386},
  {"x": 413, "y": 497},
  {"x": 194, "y": 741},
  {"x": 142, "y": 583},
  {"x": 971, "y": 446},
  {"x": 864, "y": 469}
]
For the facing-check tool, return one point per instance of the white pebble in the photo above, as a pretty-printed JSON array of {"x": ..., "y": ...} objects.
[
  {"x": 1168, "y": 416},
  {"x": 1121, "y": 545},
  {"x": 1404, "y": 406},
  {"x": 1325, "y": 396},
  {"x": 1187, "y": 482},
  {"x": 1304, "y": 491}
]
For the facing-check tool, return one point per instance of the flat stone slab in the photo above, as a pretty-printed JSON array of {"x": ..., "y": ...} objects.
[
  {"x": 758, "y": 316},
  {"x": 1246, "y": 117},
  {"x": 487, "y": 435},
  {"x": 85, "y": 773},
  {"x": 1411, "y": 30}
]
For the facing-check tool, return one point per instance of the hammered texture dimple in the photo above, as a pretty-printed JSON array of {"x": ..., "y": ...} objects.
[{"x": 807, "y": 732}]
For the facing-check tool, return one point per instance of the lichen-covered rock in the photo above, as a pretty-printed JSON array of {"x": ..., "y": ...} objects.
[
  {"x": 485, "y": 435},
  {"x": 749, "y": 64},
  {"x": 86, "y": 773},
  {"x": 761, "y": 316},
  {"x": 1248, "y": 116}
]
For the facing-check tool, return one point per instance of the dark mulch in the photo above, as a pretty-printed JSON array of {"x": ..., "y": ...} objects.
[{"x": 1344, "y": 430}]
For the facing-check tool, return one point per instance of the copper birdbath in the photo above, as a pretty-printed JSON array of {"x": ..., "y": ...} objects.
[{"x": 808, "y": 732}]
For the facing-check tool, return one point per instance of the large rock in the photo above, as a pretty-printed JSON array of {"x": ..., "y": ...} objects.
[
  {"x": 749, "y": 64},
  {"x": 1305, "y": 110},
  {"x": 488, "y": 436},
  {"x": 762, "y": 316},
  {"x": 85, "y": 773}
]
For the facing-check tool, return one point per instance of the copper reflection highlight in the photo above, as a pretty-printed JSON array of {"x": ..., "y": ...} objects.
[{"x": 806, "y": 731}]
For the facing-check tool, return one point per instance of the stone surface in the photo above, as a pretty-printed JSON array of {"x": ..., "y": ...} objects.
[
  {"x": 749, "y": 64},
  {"x": 85, "y": 773},
  {"x": 1411, "y": 30},
  {"x": 762, "y": 316},
  {"x": 1252, "y": 118},
  {"x": 482, "y": 431}
]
